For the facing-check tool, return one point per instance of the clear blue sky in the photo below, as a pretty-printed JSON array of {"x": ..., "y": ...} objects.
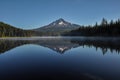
[{"x": 28, "y": 14}]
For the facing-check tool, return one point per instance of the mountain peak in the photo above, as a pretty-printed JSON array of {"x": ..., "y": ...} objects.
[
  {"x": 60, "y": 22},
  {"x": 60, "y": 19},
  {"x": 58, "y": 27}
]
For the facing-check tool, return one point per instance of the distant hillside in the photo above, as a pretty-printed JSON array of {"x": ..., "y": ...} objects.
[
  {"x": 7, "y": 30},
  {"x": 61, "y": 27},
  {"x": 56, "y": 28}
]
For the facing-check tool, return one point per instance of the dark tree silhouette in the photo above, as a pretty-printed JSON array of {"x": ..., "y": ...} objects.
[
  {"x": 111, "y": 29},
  {"x": 7, "y": 30}
]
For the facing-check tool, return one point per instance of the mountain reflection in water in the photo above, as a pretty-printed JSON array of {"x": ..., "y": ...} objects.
[
  {"x": 61, "y": 45},
  {"x": 82, "y": 58}
]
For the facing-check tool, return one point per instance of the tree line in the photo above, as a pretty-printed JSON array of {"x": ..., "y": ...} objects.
[
  {"x": 106, "y": 28},
  {"x": 7, "y": 30}
]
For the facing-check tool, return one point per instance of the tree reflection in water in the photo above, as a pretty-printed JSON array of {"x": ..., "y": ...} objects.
[{"x": 61, "y": 45}]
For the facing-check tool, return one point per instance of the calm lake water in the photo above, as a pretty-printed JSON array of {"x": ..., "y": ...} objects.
[{"x": 60, "y": 58}]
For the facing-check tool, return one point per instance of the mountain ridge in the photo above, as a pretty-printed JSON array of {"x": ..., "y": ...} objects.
[
  {"x": 56, "y": 28},
  {"x": 59, "y": 23}
]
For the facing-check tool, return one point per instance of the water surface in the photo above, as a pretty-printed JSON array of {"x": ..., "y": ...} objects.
[{"x": 57, "y": 58}]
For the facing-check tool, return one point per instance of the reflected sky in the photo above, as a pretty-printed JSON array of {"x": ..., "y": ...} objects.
[{"x": 45, "y": 59}]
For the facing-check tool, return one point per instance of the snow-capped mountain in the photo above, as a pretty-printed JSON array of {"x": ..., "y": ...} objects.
[
  {"x": 57, "y": 27},
  {"x": 60, "y": 23}
]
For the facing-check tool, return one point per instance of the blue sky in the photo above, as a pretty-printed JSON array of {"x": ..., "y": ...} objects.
[{"x": 29, "y": 14}]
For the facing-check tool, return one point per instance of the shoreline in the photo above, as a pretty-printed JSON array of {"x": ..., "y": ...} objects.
[{"x": 60, "y": 37}]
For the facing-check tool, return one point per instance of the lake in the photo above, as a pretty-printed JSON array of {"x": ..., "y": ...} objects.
[{"x": 60, "y": 58}]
